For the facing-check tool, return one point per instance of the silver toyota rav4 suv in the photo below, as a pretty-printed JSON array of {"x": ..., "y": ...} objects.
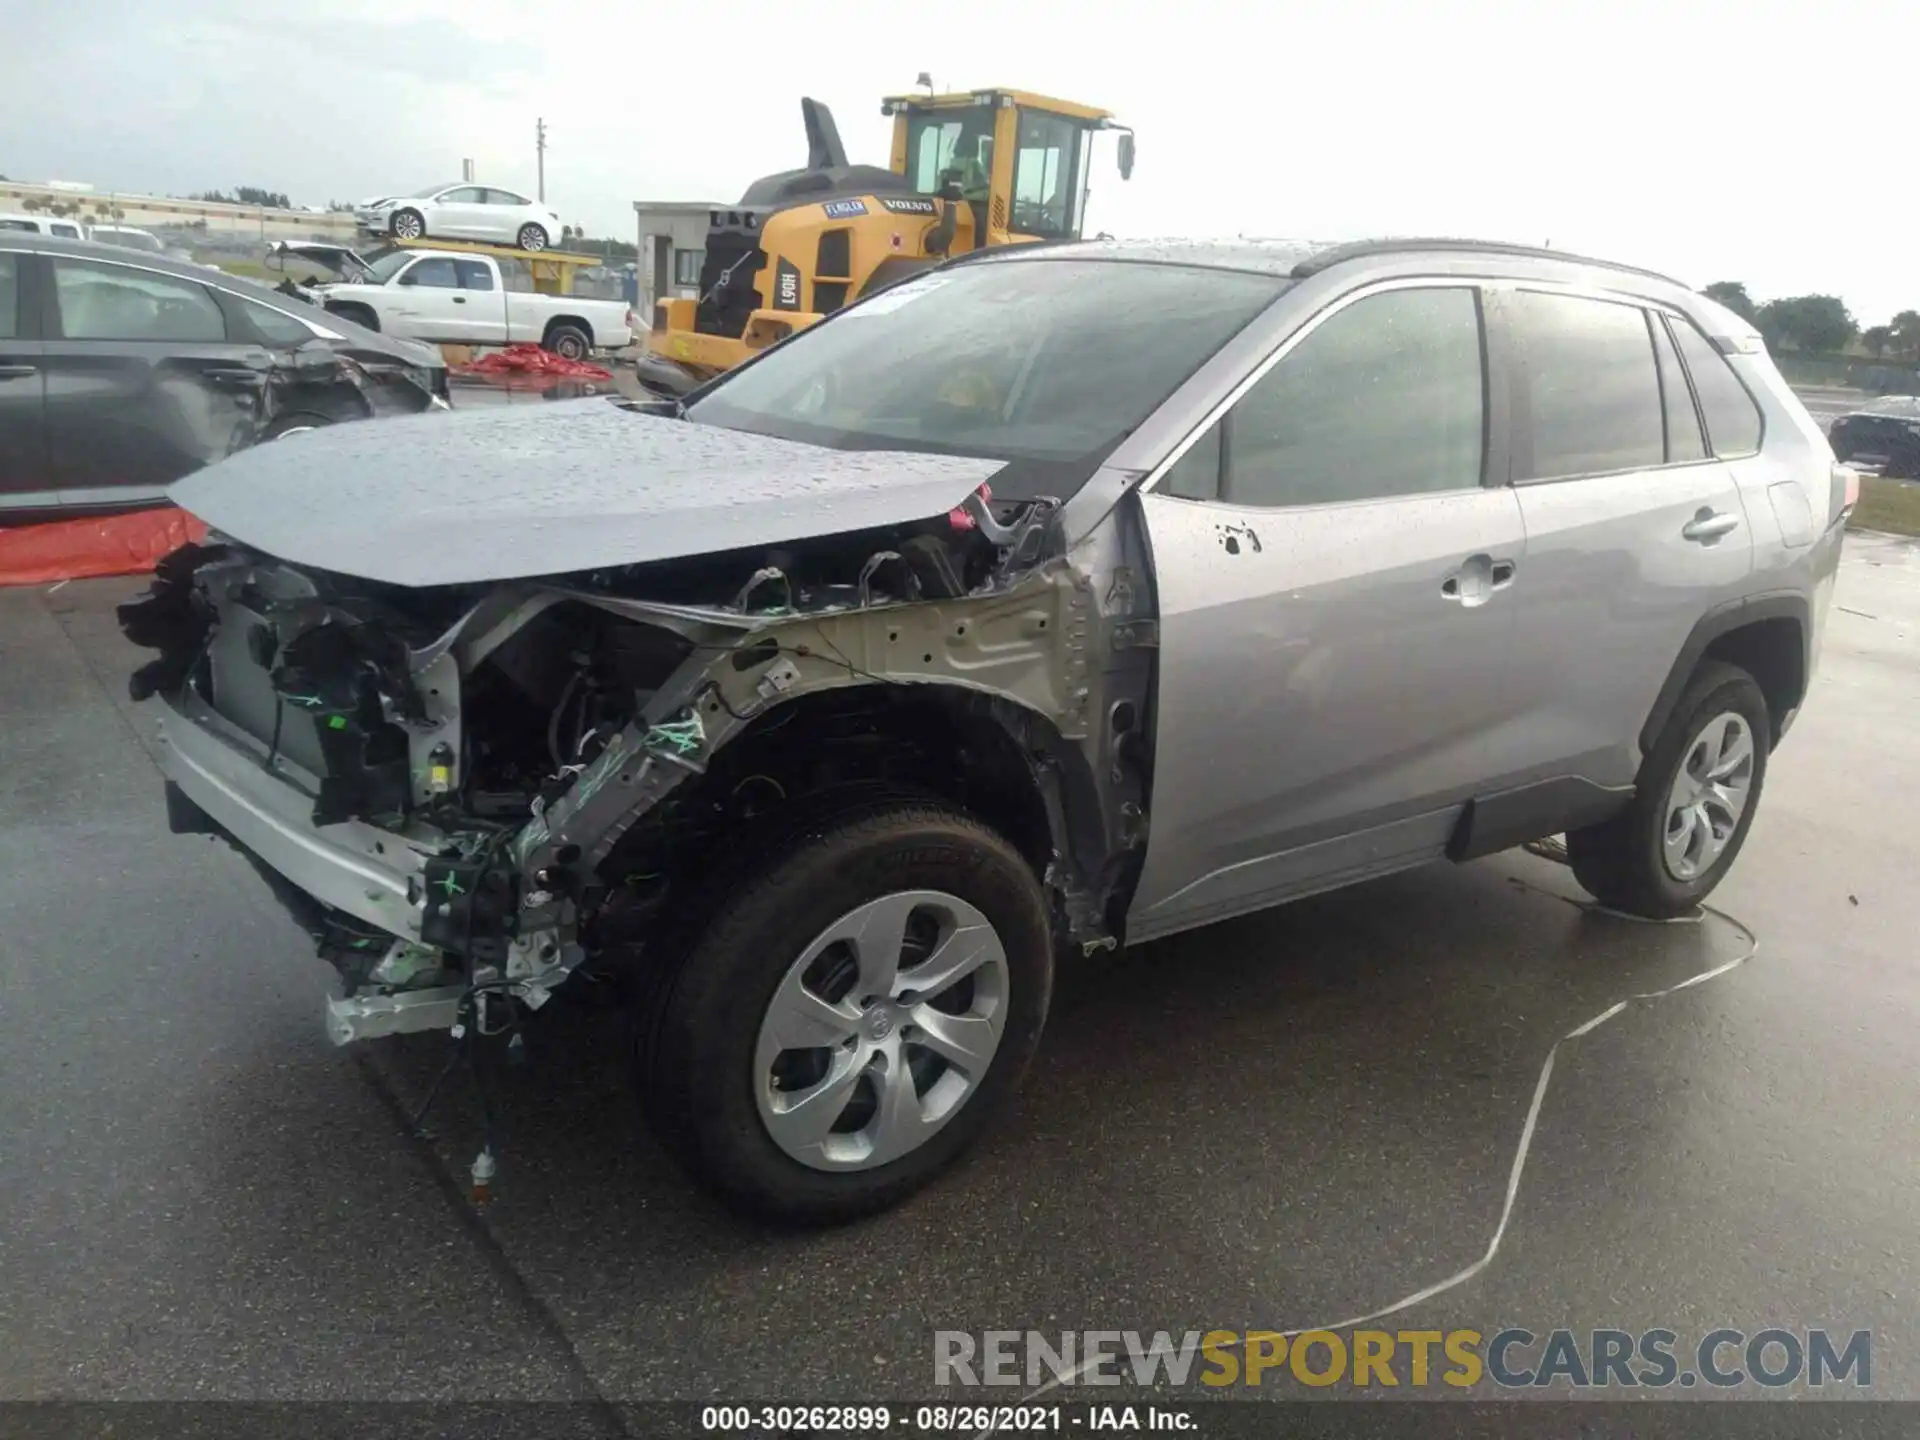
[{"x": 1047, "y": 602}]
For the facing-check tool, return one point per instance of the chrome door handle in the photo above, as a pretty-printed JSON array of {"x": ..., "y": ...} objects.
[
  {"x": 1475, "y": 582},
  {"x": 17, "y": 372},
  {"x": 1709, "y": 525}
]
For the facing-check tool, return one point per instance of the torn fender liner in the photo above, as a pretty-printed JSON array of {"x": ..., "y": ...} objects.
[{"x": 576, "y": 485}]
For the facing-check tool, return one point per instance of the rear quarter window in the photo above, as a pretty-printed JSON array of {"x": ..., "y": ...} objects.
[{"x": 1733, "y": 419}]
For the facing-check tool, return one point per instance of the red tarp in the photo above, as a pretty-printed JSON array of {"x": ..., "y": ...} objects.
[
  {"x": 81, "y": 549},
  {"x": 530, "y": 366}
]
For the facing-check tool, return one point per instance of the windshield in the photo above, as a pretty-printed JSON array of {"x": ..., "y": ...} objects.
[
  {"x": 951, "y": 140},
  {"x": 384, "y": 268},
  {"x": 1047, "y": 363},
  {"x": 428, "y": 193}
]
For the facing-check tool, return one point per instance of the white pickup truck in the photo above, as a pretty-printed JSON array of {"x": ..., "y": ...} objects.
[{"x": 466, "y": 299}]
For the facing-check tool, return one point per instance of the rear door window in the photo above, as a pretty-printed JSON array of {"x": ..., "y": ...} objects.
[
  {"x": 1684, "y": 440},
  {"x": 1592, "y": 387},
  {"x": 1387, "y": 396},
  {"x": 117, "y": 302},
  {"x": 1733, "y": 420},
  {"x": 474, "y": 274}
]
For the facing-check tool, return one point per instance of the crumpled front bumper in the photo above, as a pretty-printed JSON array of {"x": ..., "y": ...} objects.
[{"x": 371, "y": 874}]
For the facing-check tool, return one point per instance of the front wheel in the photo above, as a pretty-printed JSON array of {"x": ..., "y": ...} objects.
[
  {"x": 407, "y": 225},
  {"x": 532, "y": 237},
  {"x": 1694, "y": 801},
  {"x": 867, "y": 993}
]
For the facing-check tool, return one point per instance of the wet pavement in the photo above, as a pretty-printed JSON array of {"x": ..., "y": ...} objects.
[{"x": 1282, "y": 1121}]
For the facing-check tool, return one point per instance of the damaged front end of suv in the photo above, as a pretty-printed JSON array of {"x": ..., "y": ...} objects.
[{"x": 480, "y": 756}]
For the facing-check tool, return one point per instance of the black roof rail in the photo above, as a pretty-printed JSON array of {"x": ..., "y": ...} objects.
[{"x": 1360, "y": 249}]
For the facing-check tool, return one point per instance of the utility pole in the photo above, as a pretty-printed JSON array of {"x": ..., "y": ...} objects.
[{"x": 540, "y": 156}]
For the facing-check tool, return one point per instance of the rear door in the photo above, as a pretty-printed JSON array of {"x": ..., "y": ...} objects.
[
  {"x": 24, "y": 479},
  {"x": 505, "y": 214},
  {"x": 1337, "y": 574},
  {"x": 482, "y": 303},
  {"x": 522, "y": 317},
  {"x": 1634, "y": 530},
  {"x": 144, "y": 382}
]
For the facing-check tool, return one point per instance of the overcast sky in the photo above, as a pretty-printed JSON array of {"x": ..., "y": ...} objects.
[{"x": 1713, "y": 139}]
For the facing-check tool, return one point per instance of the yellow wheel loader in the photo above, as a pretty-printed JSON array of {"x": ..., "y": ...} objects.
[{"x": 969, "y": 169}]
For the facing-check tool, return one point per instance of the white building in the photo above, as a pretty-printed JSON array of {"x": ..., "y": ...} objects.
[{"x": 673, "y": 244}]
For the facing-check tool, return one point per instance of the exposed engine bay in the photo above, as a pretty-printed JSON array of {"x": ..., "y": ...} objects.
[{"x": 469, "y": 793}]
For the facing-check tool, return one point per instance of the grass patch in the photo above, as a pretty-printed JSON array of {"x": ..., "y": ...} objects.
[{"x": 1889, "y": 505}]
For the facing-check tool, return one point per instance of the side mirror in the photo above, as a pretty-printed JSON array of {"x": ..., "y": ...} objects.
[
  {"x": 1126, "y": 155},
  {"x": 408, "y": 279}
]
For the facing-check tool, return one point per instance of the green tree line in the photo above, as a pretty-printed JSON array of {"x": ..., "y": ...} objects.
[{"x": 1819, "y": 324}]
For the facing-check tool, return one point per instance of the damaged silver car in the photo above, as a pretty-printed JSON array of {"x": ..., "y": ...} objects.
[{"x": 1050, "y": 601}]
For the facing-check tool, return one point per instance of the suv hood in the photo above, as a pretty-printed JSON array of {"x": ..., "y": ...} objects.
[{"x": 573, "y": 485}]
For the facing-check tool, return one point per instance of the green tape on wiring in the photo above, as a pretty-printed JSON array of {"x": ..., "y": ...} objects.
[
  {"x": 336, "y": 722},
  {"x": 683, "y": 737}
]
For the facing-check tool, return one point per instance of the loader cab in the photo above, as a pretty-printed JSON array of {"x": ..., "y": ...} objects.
[{"x": 1021, "y": 160}]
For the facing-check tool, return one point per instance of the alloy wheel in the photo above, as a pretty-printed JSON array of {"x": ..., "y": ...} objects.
[
  {"x": 881, "y": 1031},
  {"x": 1708, "y": 796}
]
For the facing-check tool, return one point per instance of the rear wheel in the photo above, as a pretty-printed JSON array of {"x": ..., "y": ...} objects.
[
  {"x": 532, "y": 237},
  {"x": 866, "y": 994},
  {"x": 569, "y": 342},
  {"x": 407, "y": 225},
  {"x": 1695, "y": 799}
]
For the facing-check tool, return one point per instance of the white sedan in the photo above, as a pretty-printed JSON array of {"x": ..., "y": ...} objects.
[{"x": 462, "y": 212}]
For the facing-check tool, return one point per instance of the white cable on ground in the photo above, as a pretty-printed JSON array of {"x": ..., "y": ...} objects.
[{"x": 1518, "y": 1168}]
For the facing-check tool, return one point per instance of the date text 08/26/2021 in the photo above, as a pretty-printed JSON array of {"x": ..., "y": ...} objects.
[{"x": 941, "y": 1419}]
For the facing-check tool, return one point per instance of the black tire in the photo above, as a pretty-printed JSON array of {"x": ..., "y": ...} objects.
[
  {"x": 407, "y": 225},
  {"x": 531, "y": 237},
  {"x": 569, "y": 342},
  {"x": 1622, "y": 863},
  {"x": 701, "y": 1014}
]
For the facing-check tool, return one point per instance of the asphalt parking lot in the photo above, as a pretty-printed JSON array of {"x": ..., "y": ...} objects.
[{"x": 1279, "y": 1122}]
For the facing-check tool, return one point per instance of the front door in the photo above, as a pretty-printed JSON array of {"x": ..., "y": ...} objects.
[
  {"x": 462, "y": 213},
  {"x": 1634, "y": 530},
  {"x": 428, "y": 303},
  {"x": 1337, "y": 581},
  {"x": 24, "y": 481},
  {"x": 143, "y": 382}
]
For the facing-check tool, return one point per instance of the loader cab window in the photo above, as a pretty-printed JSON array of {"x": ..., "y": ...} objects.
[
  {"x": 1049, "y": 175},
  {"x": 944, "y": 140}
]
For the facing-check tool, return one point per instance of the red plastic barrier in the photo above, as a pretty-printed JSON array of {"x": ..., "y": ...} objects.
[
  {"x": 82, "y": 549},
  {"x": 531, "y": 360}
]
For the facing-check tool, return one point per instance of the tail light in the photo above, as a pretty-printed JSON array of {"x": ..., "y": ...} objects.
[{"x": 1844, "y": 490}]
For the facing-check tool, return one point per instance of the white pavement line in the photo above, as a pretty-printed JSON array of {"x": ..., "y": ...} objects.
[{"x": 1584, "y": 1028}]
